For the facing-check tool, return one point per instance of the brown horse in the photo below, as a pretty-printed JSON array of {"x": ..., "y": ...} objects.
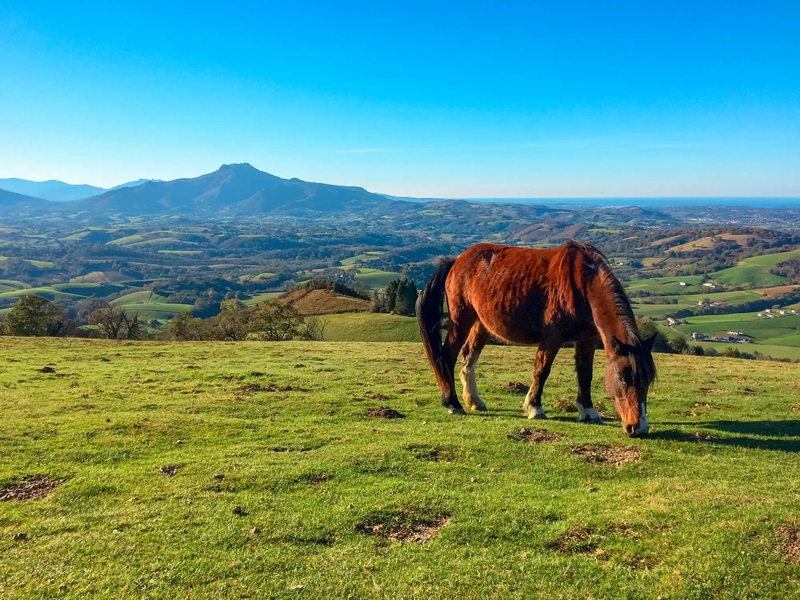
[{"x": 545, "y": 297}]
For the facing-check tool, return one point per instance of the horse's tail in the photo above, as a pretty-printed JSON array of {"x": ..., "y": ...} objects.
[{"x": 429, "y": 315}]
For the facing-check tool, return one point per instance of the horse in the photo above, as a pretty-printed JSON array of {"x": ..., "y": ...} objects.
[{"x": 537, "y": 296}]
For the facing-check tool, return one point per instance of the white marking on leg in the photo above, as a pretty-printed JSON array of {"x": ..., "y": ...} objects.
[
  {"x": 642, "y": 427},
  {"x": 589, "y": 415},
  {"x": 471, "y": 395}
]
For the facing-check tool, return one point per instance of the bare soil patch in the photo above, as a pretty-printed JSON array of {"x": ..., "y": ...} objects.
[
  {"x": 385, "y": 412},
  {"x": 169, "y": 470},
  {"x": 515, "y": 387},
  {"x": 577, "y": 540},
  {"x": 252, "y": 388},
  {"x": 790, "y": 541},
  {"x": 376, "y": 396},
  {"x": 404, "y": 527},
  {"x": 566, "y": 405},
  {"x": 601, "y": 454},
  {"x": 433, "y": 453},
  {"x": 535, "y": 436},
  {"x": 30, "y": 487},
  {"x": 47, "y": 370}
]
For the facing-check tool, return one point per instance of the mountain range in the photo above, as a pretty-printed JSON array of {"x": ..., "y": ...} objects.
[
  {"x": 234, "y": 190},
  {"x": 58, "y": 191}
]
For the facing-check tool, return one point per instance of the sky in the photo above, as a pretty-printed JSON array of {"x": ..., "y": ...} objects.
[{"x": 426, "y": 99}]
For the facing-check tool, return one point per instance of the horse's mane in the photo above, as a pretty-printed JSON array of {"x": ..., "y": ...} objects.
[{"x": 642, "y": 365}]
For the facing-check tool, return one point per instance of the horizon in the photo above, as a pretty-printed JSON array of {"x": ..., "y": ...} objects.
[{"x": 523, "y": 101}]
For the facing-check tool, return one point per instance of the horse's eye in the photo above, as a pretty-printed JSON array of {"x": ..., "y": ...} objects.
[{"x": 621, "y": 376}]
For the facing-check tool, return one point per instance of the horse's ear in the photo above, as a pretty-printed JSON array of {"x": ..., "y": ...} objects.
[
  {"x": 649, "y": 342},
  {"x": 617, "y": 346}
]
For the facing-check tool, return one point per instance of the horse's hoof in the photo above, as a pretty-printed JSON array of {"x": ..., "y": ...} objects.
[
  {"x": 456, "y": 410},
  {"x": 537, "y": 414},
  {"x": 480, "y": 407},
  {"x": 591, "y": 421},
  {"x": 590, "y": 416}
]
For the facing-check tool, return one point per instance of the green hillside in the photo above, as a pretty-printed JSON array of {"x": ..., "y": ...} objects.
[{"x": 230, "y": 470}]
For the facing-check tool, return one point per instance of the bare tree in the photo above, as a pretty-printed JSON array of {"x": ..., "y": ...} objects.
[{"x": 114, "y": 323}]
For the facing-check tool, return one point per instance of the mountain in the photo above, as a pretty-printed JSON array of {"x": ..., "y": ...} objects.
[
  {"x": 18, "y": 202},
  {"x": 233, "y": 190},
  {"x": 130, "y": 184},
  {"x": 56, "y": 191}
]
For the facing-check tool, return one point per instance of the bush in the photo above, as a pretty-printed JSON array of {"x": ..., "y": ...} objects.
[{"x": 36, "y": 316}]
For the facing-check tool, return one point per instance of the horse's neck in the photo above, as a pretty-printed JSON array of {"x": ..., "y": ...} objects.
[{"x": 604, "y": 308}]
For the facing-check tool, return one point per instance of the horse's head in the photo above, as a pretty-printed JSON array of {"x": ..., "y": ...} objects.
[{"x": 629, "y": 374}]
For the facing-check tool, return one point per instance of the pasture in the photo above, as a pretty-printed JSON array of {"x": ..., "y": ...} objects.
[{"x": 213, "y": 470}]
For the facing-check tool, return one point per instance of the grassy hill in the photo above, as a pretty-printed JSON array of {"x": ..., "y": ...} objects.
[
  {"x": 756, "y": 270},
  {"x": 334, "y": 503}
]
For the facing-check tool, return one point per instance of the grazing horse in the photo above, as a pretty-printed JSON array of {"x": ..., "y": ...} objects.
[{"x": 545, "y": 297}]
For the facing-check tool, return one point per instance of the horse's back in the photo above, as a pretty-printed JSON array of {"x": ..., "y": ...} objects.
[{"x": 515, "y": 292}]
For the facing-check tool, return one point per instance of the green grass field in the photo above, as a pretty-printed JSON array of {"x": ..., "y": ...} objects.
[
  {"x": 150, "y": 305},
  {"x": 370, "y": 327},
  {"x": 756, "y": 270},
  {"x": 704, "y": 508},
  {"x": 375, "y": 278}
]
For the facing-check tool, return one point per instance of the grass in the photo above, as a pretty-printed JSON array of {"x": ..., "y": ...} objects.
[
  {"x": 150, "y": 305},
  {"x": 370, "y": 327},
  {"x": 756, "y": 270},
  {"x": 375, "y": 278},
  {"x": 697, "y": 517}
]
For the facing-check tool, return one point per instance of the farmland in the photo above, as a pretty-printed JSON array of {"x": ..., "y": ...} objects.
[{"x": 156, "y": 445}]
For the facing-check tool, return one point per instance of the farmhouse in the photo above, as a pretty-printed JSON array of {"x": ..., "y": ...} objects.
[{"x": 672, "y": 322}]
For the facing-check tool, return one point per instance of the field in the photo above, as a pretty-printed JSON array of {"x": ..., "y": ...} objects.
[{"x": 214, "y": 470}]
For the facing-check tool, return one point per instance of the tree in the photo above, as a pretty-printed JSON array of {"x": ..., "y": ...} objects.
[
  {"x": 36, "y": 316},
  {"x": 678, "y": 344},
  {"x": 732, "y": 353},
  {"x": 232, "y": 323},
  {"x": 184, "y": 327},
  {"x": 399, "y": 297},
  {"x": 113, "y": 323},
  {"x": 277, "y": 321},
  {"x": 647, "y": 329},
  {"x": 406, "y": 298}
]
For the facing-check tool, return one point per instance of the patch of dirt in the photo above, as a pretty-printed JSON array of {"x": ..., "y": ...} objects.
[
  {"x": 790, "y": 541},
  {"x": 169, "y": 470},
  {"x": 47, "y": 370},
  {"x": 713, "y": 391},
  {"x": 252, "y": 388},
  {"x": 31, "y": 487},
  {"x": 376, "y": 396},
  {"x": 515, "y": 387},
  {"x": 535, "y": 436},
  {"x": 314, "y": 478},
  {"x": 433, "y": 453},
  {"x": 404, "y": 527},
  {"x": 601, "y": 454},
  {"x": 796, "y": 406},
  {"x": 566, "y": 405},
  {"x": 384, "y": 412},
  {"x": 703, "y": 405},
  {"x": 749, "y": 392},
  {"x": 577, "y": 540}
]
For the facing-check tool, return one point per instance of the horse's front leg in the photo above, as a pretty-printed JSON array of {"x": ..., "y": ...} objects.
[
  {"x": 545, "y": 355},
  {"x": 584, "y": 366}
]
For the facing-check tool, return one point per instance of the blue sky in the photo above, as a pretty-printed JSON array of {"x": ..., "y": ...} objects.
[{"x": 462, "y": 99}]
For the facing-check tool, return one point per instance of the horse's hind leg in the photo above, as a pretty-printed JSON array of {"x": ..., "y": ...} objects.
[
  {"x": 477, "y": 339},
  {"x": 584, "y": 364},
  {"x": 545, "y": 355},
  {"x": 462, "y": 318}
]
